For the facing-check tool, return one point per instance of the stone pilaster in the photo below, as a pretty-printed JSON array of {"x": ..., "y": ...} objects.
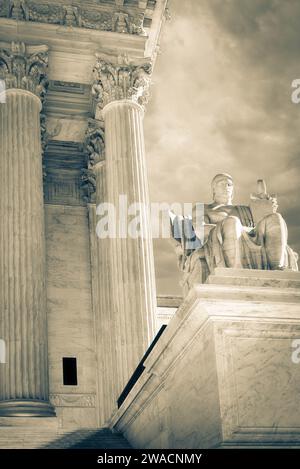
[
  {"x": 121, "y": 90},
  {"x": 23, "y": 318}
]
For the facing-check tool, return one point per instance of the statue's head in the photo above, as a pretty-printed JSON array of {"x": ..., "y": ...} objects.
[{"x": 222, "y": 189}]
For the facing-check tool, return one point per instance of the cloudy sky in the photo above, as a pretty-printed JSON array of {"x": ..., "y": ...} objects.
[{"x": 221, "y": 102}]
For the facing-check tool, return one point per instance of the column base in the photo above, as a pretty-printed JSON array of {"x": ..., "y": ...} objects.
[{"x": 26, "y": 408}]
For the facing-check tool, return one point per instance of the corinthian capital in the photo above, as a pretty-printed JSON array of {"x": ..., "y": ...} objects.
[
  {"x": 24, "y": 67},
  {"x": 114, "y": 82}
]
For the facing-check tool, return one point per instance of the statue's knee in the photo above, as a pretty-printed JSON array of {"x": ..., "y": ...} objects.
[
  {"x": 274, "y": 219},
  {"x": 274, "y": 216},
  {"x": 232, "y": 221}
]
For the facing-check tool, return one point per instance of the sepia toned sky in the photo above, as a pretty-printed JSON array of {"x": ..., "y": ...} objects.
[{"x": 221, "y": 102}]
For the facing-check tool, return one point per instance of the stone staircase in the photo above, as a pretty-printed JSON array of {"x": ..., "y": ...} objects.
[
  {"x": 103, "y": 438},
  {"x": 43, "y": 433}
]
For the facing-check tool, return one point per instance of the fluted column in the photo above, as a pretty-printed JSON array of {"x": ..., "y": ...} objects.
[
  {"x": 105, "y": 335},
  {"x": 23, "y": 322},
  {"x": 121, "y": 91}
]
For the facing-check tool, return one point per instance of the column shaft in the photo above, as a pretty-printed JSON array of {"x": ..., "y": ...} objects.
[
  {"x": 132, "y": 279},
  {"x": 23, "y": 322},
  {"x": 105, "y": 332}
]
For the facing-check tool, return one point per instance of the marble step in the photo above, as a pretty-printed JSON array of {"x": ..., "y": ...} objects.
[
  {"x": 251, "y": 281},
  {"x": 46, "y": 423},
  {"x": 99, "y": 439},
  {"x": 85, "y": 439},
  {"x": 280, "y": 274}
]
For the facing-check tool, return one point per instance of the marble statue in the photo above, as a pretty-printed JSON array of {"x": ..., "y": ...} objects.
[{"x": 236, "y": 236}]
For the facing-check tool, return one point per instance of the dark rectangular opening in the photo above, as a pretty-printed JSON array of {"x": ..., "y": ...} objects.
[{"x": 70, "y": 371}]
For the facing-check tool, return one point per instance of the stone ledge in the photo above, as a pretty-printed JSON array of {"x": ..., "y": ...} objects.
[
  {"x": 246, "y": 273},
  {"x": 245, "y": 293},
  {"x": 46, "y": 423},
  {"x": 253, "y": 281}
]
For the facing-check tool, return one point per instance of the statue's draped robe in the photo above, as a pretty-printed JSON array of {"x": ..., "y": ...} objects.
[{"x": 252, "y": 248}]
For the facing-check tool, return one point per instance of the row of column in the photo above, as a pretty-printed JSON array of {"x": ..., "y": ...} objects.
[{"x": 125, "y": 309}]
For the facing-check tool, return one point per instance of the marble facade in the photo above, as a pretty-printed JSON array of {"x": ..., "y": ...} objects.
[
  {"x": 58, "y": 128},
  {"x": 222, "y": 372}
]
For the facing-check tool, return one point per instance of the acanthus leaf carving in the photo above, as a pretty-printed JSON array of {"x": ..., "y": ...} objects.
[
  {"x": 121, "y": 81},
  {"x": 25, "y": 67}
]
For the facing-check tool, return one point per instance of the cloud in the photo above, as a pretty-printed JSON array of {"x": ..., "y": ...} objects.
[{"x": 221, "y": 101}]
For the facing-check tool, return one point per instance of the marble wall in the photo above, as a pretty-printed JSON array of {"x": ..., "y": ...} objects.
[{"x": 70, "y": 316}]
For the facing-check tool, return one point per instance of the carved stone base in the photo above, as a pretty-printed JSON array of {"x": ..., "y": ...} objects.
[{"x": 22, "y": 408}]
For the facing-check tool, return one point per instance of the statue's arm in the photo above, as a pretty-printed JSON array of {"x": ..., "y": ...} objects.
[{"x": 205, "y": 224}]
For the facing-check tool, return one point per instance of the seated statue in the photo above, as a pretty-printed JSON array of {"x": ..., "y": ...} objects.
[{"x": 248, "y": 237}]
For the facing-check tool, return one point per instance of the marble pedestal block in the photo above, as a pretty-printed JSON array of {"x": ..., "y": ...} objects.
[{"x": 226, "y": 371}]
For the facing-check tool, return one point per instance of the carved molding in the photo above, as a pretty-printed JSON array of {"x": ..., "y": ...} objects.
[
  {"x": 72, "y": 400},
  {"x": 94, "y": 142},
  {"x": 49, "y": 131},
  {"x": 121, "y": 81},
  {"x": 94, "y": 147},
  {"x": 25, "y": 67},
  {"x": 100, "y": 17},
  {"x": 88, "y": 185}
]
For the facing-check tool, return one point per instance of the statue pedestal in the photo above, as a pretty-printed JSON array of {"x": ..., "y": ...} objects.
[{"x": 226, "y": 371}]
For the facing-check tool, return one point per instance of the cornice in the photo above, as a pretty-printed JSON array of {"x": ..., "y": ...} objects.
[
  {"x": 75, "y": 64},
  {"x": 66, "y": 62}
]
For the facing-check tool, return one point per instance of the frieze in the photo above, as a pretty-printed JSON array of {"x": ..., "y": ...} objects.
[
  {"x": 72, "y": 400},
  {"x": 99, "y": 17}
]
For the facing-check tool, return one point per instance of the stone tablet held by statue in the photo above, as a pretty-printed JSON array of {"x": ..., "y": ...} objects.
[{"x": 262, "y": 204}]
